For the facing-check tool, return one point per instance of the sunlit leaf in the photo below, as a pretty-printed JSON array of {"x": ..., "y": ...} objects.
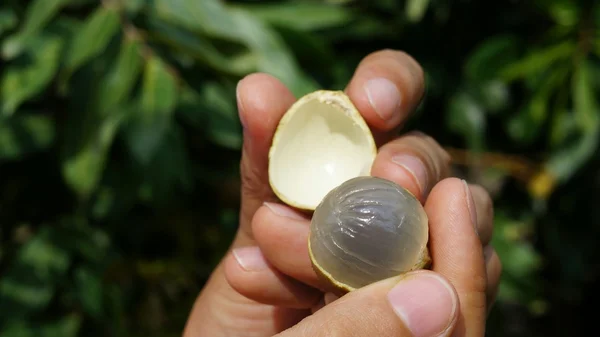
[
  {"x": 92, "y": 39},
  {"x": 273, "y": 56},
  {"x": 539, "y": 60},
  {"x": 585, "y": 96},
  {"x": 208, "y": 16},
  {"x": 202, "y": 49},
  {"x": 300, "y": 15},
  {"x": 22, "y": 135},
  {"x": 151, "y": 119},
  {"x": 565, "y": 162},
  {"x": 38, "y": 14},
  {"x": 213, "y": 18},
  {"x": 415, "y": 9},
  {"x": 28, "y": 75}
]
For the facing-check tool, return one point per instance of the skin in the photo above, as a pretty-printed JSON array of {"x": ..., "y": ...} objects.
[{"x": 286, "y": 298}]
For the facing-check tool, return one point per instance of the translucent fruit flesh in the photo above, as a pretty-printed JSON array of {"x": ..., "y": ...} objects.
[{"x": 366, "y": 230}]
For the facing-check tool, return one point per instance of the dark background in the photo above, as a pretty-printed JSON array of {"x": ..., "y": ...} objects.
[{"x": 120, "y": 144}]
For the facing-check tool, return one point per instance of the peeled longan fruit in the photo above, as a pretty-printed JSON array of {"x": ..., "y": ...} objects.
[
  {"x": 368, "y": 229},
  {"x": 363, "y": 229}
]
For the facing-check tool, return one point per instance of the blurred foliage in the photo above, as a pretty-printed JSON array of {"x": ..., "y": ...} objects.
[{"x": 120, "y": 144}]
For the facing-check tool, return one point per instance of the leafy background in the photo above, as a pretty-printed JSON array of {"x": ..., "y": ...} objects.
[{"x": 120, "y": 144}]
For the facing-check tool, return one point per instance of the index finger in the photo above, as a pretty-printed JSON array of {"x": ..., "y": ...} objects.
[{"x": 386, "y": 87}]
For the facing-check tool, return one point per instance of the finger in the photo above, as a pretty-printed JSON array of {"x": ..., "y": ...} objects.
[
  {"x": 386, "y": 86},
  {"x": 457, "y": 252},
  {"x": 493, "y": 267},
  {"x": 414, "y": 161},
  {"x": 262, "y": 101},
  {"x": 325, "y": 300},
  {"x": 282, "y": 235},
  {"x": 420, "y": 304},
  {"x": 485, "y": 213},
  {"x": 249, "y": 273}
]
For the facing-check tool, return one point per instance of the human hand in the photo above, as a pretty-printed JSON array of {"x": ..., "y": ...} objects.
[{"x": 265, "y": 285}]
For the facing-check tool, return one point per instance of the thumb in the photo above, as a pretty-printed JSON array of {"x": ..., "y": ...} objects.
[{"x": 417, "y": 304}]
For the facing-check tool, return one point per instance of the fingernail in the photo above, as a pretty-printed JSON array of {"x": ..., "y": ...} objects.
[
  {"x": 471, "y": 205},
  {"x": 425, "y": 303},
  {"x": 415, "y": 168},
  {"x": 383, "y": 96},
  {"x": 240, "y": 105},
  {"x": 250, "y": 258},
  {"x": 283, "y": 211}
]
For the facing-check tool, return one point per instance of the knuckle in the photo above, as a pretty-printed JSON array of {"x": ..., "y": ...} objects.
[{"x": 251, "y": 180}]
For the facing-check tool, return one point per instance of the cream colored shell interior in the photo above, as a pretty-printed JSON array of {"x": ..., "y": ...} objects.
[{"x": 321, "y": 142}]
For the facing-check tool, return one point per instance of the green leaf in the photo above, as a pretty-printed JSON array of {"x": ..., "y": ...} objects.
[
  {"x": 117, "y": 85},
  {"x": 538, "y": 61},
  {"x": 526, "y": 125},
  {"x": 92, "y": 39},
  {"x": 273, "y": 55},
  {"x": 38, "y": 14},
  {"x": 415, "y": 9},
  {"x": 202, "y": 49},
  {"x": 151, "y": 119},
  {"x": 493, "y": 55},
  {"x": 83, "y": 241},
  {"x": 563, "y": 12},
  {"x": 8, "y": 20},
  {"x": 84, "y": 168},
  {"x": 169, "y": 169},
  {"x": 584, "y": 98},
  {"x": 209, "y": 17},
  {"x": 29, "y": 283},
  {"x": 223, "y": 121},
  {"x": 28, "y": 75},
  {"x": 212, "y": 18},
  {"x": 66, "y": 326},
  {"x": 213, "y": 112},
  {"x": 493, "y": 95},
  {"x": 566, "y": 162},
  {"x": 466, "y": 117},
  {"x": 300, "y": 15},
  {"x": 22, "y": 135},
  {"x": 134, "y": 6},
  {"x": 89, "y": 291}
]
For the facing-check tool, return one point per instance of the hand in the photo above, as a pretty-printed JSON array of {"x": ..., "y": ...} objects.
[{"x": 265, "y": 285}]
